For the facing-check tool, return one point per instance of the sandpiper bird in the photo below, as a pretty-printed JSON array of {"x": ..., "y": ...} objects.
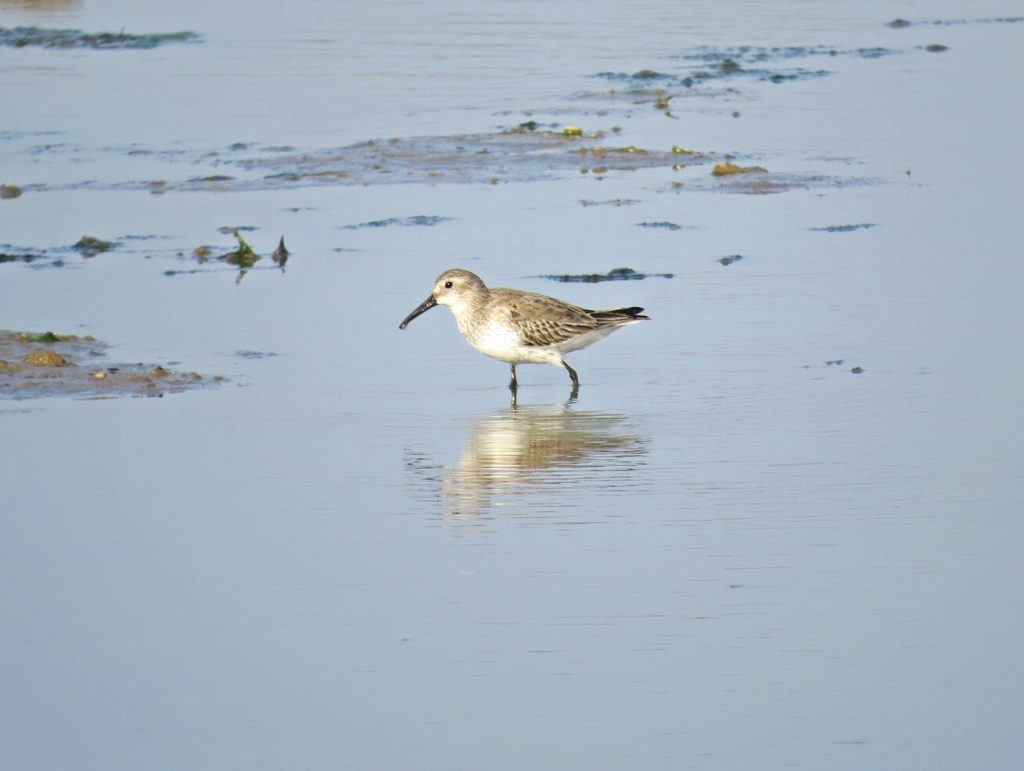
[{"x": 521, "y": 327}]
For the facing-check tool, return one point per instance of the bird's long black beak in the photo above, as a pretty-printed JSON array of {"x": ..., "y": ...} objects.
[{"x": 423, "y": 307}]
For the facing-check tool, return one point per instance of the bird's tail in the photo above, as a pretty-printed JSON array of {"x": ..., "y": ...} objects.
[{"x": 622, "y": 315}]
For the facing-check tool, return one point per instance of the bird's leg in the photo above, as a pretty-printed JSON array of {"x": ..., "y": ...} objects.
[
  {"x": 513, "y": 386},
  {"x": 575, "y": 381}
]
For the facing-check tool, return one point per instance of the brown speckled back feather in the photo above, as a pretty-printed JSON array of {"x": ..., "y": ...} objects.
[{"x": 541, "y": 320}]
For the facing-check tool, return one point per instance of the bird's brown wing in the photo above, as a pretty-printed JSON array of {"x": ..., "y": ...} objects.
[{"x": 541, "y": 320}]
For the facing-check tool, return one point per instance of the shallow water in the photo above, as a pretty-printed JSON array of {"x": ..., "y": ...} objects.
[{"x": 730, "y": 552}]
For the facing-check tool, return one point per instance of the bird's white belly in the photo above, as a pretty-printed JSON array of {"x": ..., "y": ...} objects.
[{"x": 501, "y": 342}]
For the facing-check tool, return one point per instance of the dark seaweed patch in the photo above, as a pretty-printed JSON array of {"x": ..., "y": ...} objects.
[
  {"x": 246, "y": 354},
  {"x": 611, "y": 202},
  {"x": 419, "y": 220},
  {"x": 616, "y": 274},
  {"x": 90, "y": 246},
  {"x": 281, "y": 254},
  {"x": 530, "y": 126},
  {"x": 23, "y": 257},
  {"x": 660, "y": 225},
  {"x": 243, "y": 257},
  {"x": 903, "y": 23},
  {"x": 844, "y": 228},
  {"x": 752, "y": 62},
  {"x": 739, "y": 57},
  {"x": 642, "y": 77},
  {"x": 20, "y": 37}
]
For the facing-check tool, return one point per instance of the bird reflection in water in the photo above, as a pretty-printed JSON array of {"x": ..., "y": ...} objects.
[{"x": 540, "y": 463}]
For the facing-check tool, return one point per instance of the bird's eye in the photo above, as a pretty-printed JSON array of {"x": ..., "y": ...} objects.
[{"x": 447, "y": 284}]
